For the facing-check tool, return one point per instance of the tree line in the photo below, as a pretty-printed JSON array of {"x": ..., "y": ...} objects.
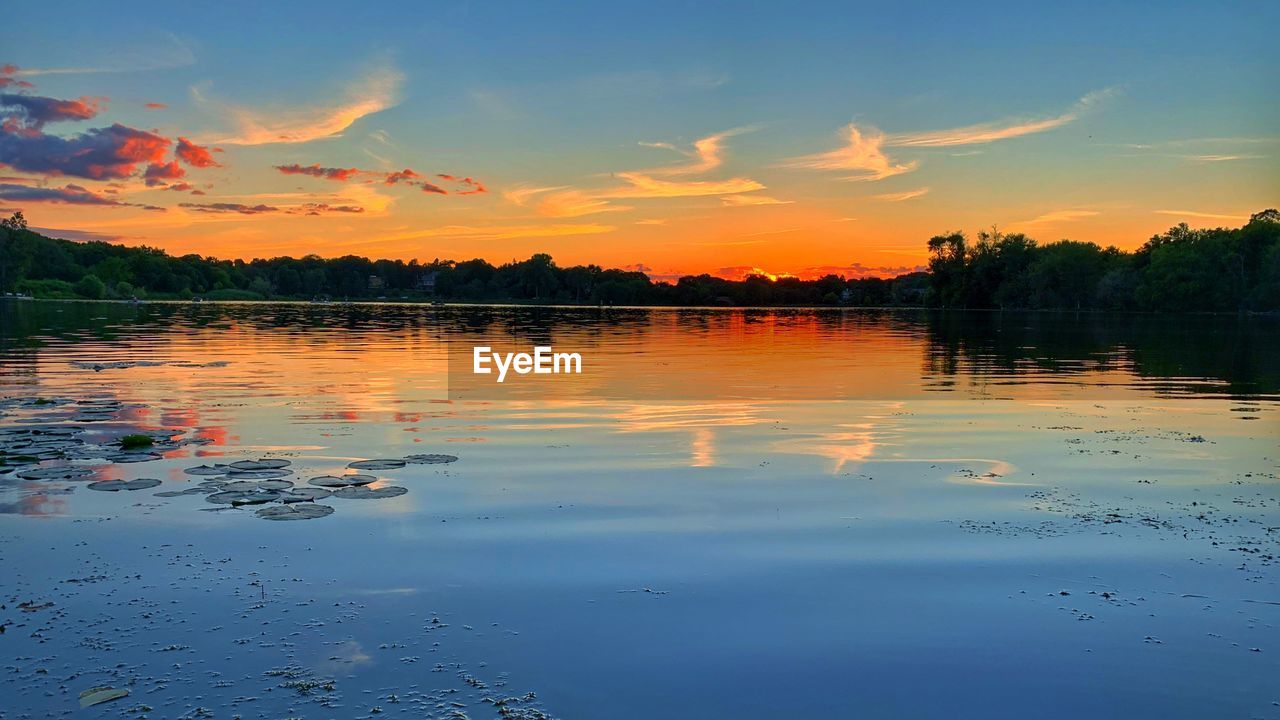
[{"x": 1181, "y": 270}]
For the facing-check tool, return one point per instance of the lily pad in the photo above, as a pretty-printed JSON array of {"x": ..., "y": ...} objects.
[
  {"x": 242, "y": 497},
  {"x": 179, "y": 493},
  {"x": 305, "y": 494},
  {"x": 98, "y": 695},
  {"x": 218, "y": 469},
  {"x": 430, "y": 459},
  {"x": 56, "y": 472},
  {"x": 376, "y": 464},
  {"x": 265, "y": 474},
  {"x": 115, "y": 485},
  {"x": 263, "y": 464},
  {"x": 368, "y": 493},
  {"x": 275, "y": 484},
  {"x": 297, "y": 511},
  {"x": 132, "y": 457},
  {"x": 338, "y": 481}
]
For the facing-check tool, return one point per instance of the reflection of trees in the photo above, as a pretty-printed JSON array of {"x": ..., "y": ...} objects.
[{"x": 1242, "y": 352}]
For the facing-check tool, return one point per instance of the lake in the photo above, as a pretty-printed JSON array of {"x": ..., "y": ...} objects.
[{"x": 729, "y": 513}]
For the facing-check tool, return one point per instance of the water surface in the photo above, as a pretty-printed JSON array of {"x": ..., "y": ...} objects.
[{"x": 732, "y": 513}]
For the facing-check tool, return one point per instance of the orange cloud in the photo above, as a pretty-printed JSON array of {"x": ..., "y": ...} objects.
[
  {"x": 196, "y": 155},
  {"x": 903, "y": 196},
  {"x": 862, "y": 152},
  {"x": 375, "y": 93},
  {"x": 749, "y": 200},
  {"x": 643, "y": 184},
  {"x": 991, "y": 132},
  {"x": 328, "y": 173},
  {"x": 159, "y": 173}
]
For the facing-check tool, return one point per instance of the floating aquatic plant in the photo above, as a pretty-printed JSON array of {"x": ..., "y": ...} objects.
[
  {"x": 430, "y": 459},
  {"x": 57, "y": 472},
  {"x": 115, "y": 485},
  {"x": 297, "y": 511},
  {"x": 339, "y": 481},
  {"x": 243, "y": 497},
  {"x": 368, "y": 493},
  {"x": 208, "y": 470},
  {"x": 263, "y": 464},
  {"x": 376, "y": 464}
]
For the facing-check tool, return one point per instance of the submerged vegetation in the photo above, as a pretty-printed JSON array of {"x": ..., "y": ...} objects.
[{"x": 1183, "y": 269}]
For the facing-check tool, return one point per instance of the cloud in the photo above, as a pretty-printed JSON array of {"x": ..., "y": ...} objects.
[
  {"x": 902, "y": 196},
  {"x": 472, "y": 186},
  {"x": 319, "y": 208},
  {"x": 223, "y": 207},
  {"x": 328, "y": 173},
  {"x": 262, "y": 209},
  {"x": 33, "y": 111},
  {"x": 862, "y": 152},
  {"x": 643, "y": 184},
  {"x": 98, "y": 154},
  {"x": 196, "y": 155},
  {"x": 375, "y": 93},
  {"x": 707, "y": 154},
  {"x": 1204, "y": 215},
  {"x": 576, "y": 203},
  {"x": 407, "y": 176},
  {"x": 159, "y": 174},
  {"x": 522, "y": 195},
  {"x": 502, "y": 232},
  {"x": 155, "y": 106},
  {"x": 640, "y": 185},
  {"x": 749, "y": 200},
  {"x": 1057, "y": 216},
  {"x": 1002, "y": 130},
  {"x": 1221, "y": 158},
  {"x": 7, "y": 78},
  {"x": 66, "y": 195}
]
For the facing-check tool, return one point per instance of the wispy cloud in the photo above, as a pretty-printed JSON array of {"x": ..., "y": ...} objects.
[
  {"x": 749, "y": 200},
  {"x": 902, "y": 196},
  {"x": 1221, "y": 158},
  {"x": 501, "y": 232},
  {"x": 1059, "y": 216},
  {"x": 640, "y": 185},
  {"x": 862, "y": 152},
  {"x": 1203, "y": 215},
  {"x": 376, "y": 92},
  {"x": 707, "y": 154},
  {"x": 983, "y": 133}
]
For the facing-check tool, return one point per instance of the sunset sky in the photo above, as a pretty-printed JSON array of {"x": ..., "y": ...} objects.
[{"x": 670, "y": 137}]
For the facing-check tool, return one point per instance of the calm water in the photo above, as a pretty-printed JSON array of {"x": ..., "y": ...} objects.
[{"x": 747, "y": 514}]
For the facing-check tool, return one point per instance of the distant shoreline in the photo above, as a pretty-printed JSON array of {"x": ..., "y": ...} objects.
[{"x": 718, "y": 308}]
